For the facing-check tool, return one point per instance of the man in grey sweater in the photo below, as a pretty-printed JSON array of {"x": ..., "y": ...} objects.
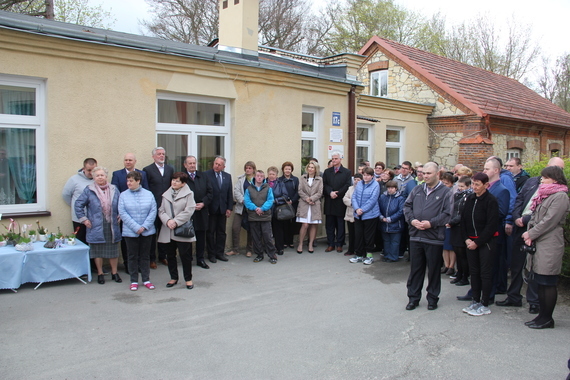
[
  {"x": 73, "y": 189},
  {"x": 427, "y": 210}
]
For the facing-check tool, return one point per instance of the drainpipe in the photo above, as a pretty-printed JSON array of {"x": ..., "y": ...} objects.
[{"x": 352, "y": 129}]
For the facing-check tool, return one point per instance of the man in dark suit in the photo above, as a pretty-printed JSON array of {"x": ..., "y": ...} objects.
[
  {"x": 159, "y": 175},
  {"x": 203, "y": 193},
  {"x": 336, "y": 181},
  {"x": 219, "y": 209},
  {"x": 120, "y": 180}
]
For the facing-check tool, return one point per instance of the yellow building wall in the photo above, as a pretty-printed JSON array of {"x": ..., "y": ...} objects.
[{"x": 101, "y": 103}]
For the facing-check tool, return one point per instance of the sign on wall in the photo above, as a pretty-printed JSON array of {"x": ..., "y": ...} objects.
[
  {"x": 335, "y": 135},
  {"x": 336, "y": 119}
]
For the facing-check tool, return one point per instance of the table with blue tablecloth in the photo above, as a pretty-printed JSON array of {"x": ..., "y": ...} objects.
[{"x": 43, "y": 264}]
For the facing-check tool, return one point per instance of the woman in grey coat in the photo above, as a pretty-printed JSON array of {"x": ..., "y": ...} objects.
[
  {"x": 549, "y": 208},
  {"x": 177, "y": 208}
]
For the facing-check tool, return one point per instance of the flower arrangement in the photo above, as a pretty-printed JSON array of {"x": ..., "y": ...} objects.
[{"x": 41, "y": 229}]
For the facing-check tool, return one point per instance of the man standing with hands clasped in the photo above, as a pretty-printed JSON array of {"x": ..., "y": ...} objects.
[
  {"x": 427, "y": 211},
  {"x": 336, "y": 181}
]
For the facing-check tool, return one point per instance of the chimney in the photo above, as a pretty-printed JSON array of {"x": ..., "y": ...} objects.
[{"x": 239, "y": 23}]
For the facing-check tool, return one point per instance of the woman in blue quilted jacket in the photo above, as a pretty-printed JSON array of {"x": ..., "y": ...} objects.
[{"x": 137, "y": 209}]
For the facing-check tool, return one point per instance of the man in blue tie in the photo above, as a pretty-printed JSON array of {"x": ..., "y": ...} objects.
[{"x": 220, "y": 209}]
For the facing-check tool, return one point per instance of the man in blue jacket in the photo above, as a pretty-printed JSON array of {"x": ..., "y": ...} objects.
[{"x": 427, "y": 210}]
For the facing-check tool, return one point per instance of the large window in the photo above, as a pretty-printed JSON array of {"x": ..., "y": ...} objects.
[
  {"x": 364, "y": 144},
  {"x": 309, "y": 127},
  {"x": 394, "y": 146},
  {"x": 22, "y": 174},
  {"x": 197, "y": 126},
  {"x": 379, "y": 83}
]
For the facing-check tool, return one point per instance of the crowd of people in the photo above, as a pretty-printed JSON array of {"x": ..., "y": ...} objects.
[{"x": 474, "y": 227}]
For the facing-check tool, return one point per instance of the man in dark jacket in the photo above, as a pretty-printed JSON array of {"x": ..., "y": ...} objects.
[
  {"x": 336, "y": 181},
  {"x": 159, "y": 175},
  {"x": 520, "y": 176},
  {"x": 203, "y": 193},
  {"x": 521, "y": 217},
  {"x": 220, "y": 209},
  {"x": 427, "y": 211}
]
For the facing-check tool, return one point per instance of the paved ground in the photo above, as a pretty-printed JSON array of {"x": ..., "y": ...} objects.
[{"x": 308, "y": 317}]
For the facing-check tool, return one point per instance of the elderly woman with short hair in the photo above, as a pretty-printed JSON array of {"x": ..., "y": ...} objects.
[
  {"x": 242, "y": 183},
  {"x": 177, "y": 208},
  {"x": 137, "y": 209},
  {"x": 98, "y": 209}
]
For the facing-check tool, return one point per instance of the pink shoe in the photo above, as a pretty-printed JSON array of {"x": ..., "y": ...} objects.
[
  {"x": 149, "y": 285},
  {"x": 134, "y": 287}
]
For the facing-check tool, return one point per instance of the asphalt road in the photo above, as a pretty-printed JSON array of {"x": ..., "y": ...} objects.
[{"x": 307, "y": 317}]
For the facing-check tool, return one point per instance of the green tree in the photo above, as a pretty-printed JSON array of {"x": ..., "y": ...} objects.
[{"x": 71, "y": 11}]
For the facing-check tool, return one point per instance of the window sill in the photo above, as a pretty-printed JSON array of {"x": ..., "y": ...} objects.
[{"x": 25, "y": 214}]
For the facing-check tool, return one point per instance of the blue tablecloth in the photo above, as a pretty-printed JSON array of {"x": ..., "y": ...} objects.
[{"x": 43, "y": 264}]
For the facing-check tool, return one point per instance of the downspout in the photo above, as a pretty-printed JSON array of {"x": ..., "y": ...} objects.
[
  {"x": 352, "y": 128},
  {"x": 487, "y": 121}
]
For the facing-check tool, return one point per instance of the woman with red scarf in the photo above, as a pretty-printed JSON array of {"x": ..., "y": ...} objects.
[{"x": 549, "y": 207}]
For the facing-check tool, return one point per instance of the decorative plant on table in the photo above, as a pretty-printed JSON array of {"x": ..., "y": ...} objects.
[
  {"x": 32, "y": 234},
  {"x": 12, "y": 237},
  {"x": 42, "y": 231},
  {"x": 25, "y": 244},
  {"x": 71, "y": 238}
]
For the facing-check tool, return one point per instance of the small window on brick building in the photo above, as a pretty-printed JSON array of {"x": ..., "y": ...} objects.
[
  {"x": 379, "y": 83},
  {"x": 555, "y": 153},
  {"x": 513, "y": 153}
]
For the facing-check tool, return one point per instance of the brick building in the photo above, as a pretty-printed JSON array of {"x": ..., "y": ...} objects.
[{"x": 475, "y": 113}]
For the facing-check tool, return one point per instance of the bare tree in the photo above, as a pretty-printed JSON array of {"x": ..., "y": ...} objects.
[
  {"x": 189, "y": 21},
  {"x": 282, "y": 23},
  {"x": 29, "y": 7}
]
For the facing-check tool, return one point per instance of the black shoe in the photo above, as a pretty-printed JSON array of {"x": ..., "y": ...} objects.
[
  {"x": 189, "y": 287},
  {"x": 534, "y": 309},
  {"x": 454, "y": 281},
  {"x": 508, "y": 302},
  {"x": 258, "y": 259},
  {"x": 464, "y": 298},
  {"x": 462, "y": 283},
  {"x": 273, "y": 260},
  {"x": 411, "y": 306},
  {"x": 171, "y": 284},
  {"x": 202, "y": 264},
  {"x": 222, "y": 258},
  {"x": 116, "y": 277},
  {"x": 101, "y": 279},
  {"x": 212, "y": 260},
  {"x": 311, "y": 251},
  {"x": 530, "y": 322},
  {"x": 547, "y": 325},
  {"x": 280, "y": 253},
  {"x": 432, "y": 306}
]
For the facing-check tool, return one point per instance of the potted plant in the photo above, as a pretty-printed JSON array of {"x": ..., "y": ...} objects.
[
  {"x": 41, "y": 231},
  {"x": 25, "y": 244},
  {"x": 32, "y": 234},
  {"x": 71, "y": 239}
]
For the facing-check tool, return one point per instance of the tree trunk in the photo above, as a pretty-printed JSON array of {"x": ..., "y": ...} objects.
[{"x": 49, "y": 9}]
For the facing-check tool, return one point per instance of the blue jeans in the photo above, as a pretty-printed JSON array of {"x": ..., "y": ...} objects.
[{"x": 391, "y": 245}]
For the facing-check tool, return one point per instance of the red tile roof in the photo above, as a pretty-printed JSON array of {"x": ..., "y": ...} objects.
[{"x": 479, "y": 91}]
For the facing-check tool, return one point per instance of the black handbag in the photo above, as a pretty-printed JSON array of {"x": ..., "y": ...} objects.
[
  {"x": 186, "y": 230},
  {"x": 284, "y": 211}
]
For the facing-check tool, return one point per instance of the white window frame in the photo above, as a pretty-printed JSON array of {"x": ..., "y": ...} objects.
[
  {"x": 381, "y": 74},
  {"x": 515, "y": 152},
  {"x": 37, "y": 123},
  {"x": 314, "y": 135},
  {"x": 366, "y": 143},
  {"x": 399, "y": 145},
  {"x": 195, "y": 130}
]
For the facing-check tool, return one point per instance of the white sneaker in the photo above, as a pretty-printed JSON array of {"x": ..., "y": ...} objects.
[
  {"x": 356, "y": 259},
  {"x": 474, "y": 306},
  {"x": 481, "y": 310},
  {"x": 368, "y": 260}
]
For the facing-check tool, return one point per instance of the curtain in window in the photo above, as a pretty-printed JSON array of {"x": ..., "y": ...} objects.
[
  {"x": 17, "y": 100},
  {"x": 21, "y": 151}
]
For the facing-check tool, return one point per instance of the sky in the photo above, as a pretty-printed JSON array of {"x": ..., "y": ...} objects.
[{"x": 549, "y": 18}]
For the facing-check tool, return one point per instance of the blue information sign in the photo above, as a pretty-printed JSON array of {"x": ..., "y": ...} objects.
[{"x": 336, "y": 119}]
